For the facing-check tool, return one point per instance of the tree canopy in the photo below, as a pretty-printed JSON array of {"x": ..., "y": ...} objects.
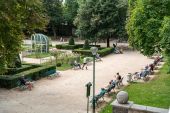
[
  {"x": 70, "y": 11},
  {"x": 101, "y": 19},
  {"x": 144, "y": 24},
  {"x": 54, "y": 10},
  {"x": 17, "y": 16}
]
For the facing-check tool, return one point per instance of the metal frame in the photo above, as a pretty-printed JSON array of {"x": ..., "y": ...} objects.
[{"x": 40, "y": 40}]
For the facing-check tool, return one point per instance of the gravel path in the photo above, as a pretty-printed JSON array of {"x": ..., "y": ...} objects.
[{"x": 67, "y": 94}]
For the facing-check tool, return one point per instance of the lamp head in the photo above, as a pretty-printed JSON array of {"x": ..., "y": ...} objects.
[{"x": 94, "y": 50}]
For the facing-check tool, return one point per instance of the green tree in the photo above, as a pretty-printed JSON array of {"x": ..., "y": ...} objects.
[
  {"x": 10, "y": 32},
  {"x": 144, "y": 23},
  {"x": 55, "y": 12},
  {"x": 83, "y": 19},
  {"x": 101, "y": 19},
  {"x": 70, "y": 11},
  {"x": 13, "y": 21},
  {"x": 165, "y": 34},
  {"x": 33, "y": 15}
]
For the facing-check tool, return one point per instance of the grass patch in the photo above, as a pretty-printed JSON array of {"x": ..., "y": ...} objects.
[
  {"x": 108, "y": 107},
  {"x": 154, "y": 93},
  {"x": 39, "y": 55}
]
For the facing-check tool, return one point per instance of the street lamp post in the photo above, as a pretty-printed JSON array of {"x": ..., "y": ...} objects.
[{"x": 94, "y": 52}]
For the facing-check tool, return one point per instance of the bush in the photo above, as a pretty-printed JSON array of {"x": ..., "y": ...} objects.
[
  {"x": 105, "y": 51},
  {"x": 10, "y": 81},
  {"x": 86, "y": 45},
  {"x": 72, "y": 47},
  {"x": 58, "y": 64},
  {"x": 68, "y": 47},
  {"x": 59, "y": 46},
  {"x": 12, "y": 71},
  {"x": 71, "y": 41}
]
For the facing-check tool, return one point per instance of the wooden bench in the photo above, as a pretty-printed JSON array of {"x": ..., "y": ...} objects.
[{"x": 54, "y": 75}]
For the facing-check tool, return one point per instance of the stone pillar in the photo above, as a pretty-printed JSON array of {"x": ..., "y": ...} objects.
[{"x": 121, "y": 108}]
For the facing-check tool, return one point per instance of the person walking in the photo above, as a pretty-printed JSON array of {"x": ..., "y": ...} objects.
[{"x": 84, "y": 63}]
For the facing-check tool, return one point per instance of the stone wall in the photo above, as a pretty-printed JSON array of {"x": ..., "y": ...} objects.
[{"x": 135, "y": 108}]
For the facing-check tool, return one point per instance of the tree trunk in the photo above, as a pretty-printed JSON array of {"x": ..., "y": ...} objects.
[
  {"x": 54, "y": 32},
  {"x": 108, "y": 42}
]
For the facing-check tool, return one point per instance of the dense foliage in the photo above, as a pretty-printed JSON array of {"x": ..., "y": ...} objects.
[
  {"x": 70, "y": 11},
  {"x": 54, "y": 10},
  {"x": 101, "y": 19},
  {"x": 145, "y": 22},
  {"x": 71, "y": 41},
  {"x": 86, "y": 44},
  {"x": 148, "y": 26},
  {"x": 35, "y": 73},
  {"x": 17, "y": 16},
  {"x": 165, "y": 35}
]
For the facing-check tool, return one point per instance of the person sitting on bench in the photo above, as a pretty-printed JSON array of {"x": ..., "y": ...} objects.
[
  {"x": 98, "y": 57},
  {"x": 26, "y": 83},
  {"x": 118, "y": 79},
  {"x": 102, "y": 92},
  {"x": 76, "y": 64},
  {"x": 144, "y": 73},
  {"x": 151, "y": 67}
]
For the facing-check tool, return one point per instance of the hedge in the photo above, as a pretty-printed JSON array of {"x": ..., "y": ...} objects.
[
  {"x": 10, "y": 81},
  {"x": 72, "y": 47},
  {"x": 101, "y": 51},
  {"x": 18, "y": 70}
]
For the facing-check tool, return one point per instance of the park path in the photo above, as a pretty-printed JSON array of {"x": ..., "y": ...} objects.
[{"x": 67, "y": 94}]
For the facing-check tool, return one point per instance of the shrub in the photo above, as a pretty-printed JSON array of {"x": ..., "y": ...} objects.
[
  {"x": 86, "y": 45},
  {"x": 10, "y": 81},
  {"x": 105, "y": 51},
  {"x": 71, "y": 41},
  {"x": 71, "y": 47},
  {"x": 12, "y": 71},
  {"x": 58, "y": 64},
  {"x": 102, "y": 51},
  {"x": 59, "y": 46},
  {"x": 68, "y": 47}
]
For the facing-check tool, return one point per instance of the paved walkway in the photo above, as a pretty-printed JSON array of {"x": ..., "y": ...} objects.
[{"x": 67, "y": 94}]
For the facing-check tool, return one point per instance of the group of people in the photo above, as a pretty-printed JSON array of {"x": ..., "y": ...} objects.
[
  {"x": 112, "y": 84},
  {"x": 85, "y": 62},
  {"x": 148, "y": 69},
  {"x": 76, "y": 64}
]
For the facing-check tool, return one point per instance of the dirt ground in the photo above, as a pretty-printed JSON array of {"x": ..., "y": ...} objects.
[{"x": 67, "y": 94}]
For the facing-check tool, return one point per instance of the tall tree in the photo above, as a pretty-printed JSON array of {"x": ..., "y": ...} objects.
[
  {"x": 33, "y": 15},
  {"x": 83, "y": 19},
  {"x": 165, "y": 35},
  {"x": 144, "y": 23},
  {"x": 12, "y": 23},
  {"x": 102, "y": 19},
  {"x": 54, "y": 10},
  {"x": 70, "y": 10}
]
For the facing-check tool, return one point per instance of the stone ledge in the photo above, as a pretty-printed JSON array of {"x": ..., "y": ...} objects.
[
  {"x": 138, "y": 107},
  {"x": 130, "y": 107},
  {"x": 156, "y": 110},
  {"x": 116, "y": 104}
]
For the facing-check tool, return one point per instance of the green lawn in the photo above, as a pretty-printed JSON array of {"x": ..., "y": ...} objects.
[
  {"x": 39, "y": 55},
  {"x": 155, "y": 93}
]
